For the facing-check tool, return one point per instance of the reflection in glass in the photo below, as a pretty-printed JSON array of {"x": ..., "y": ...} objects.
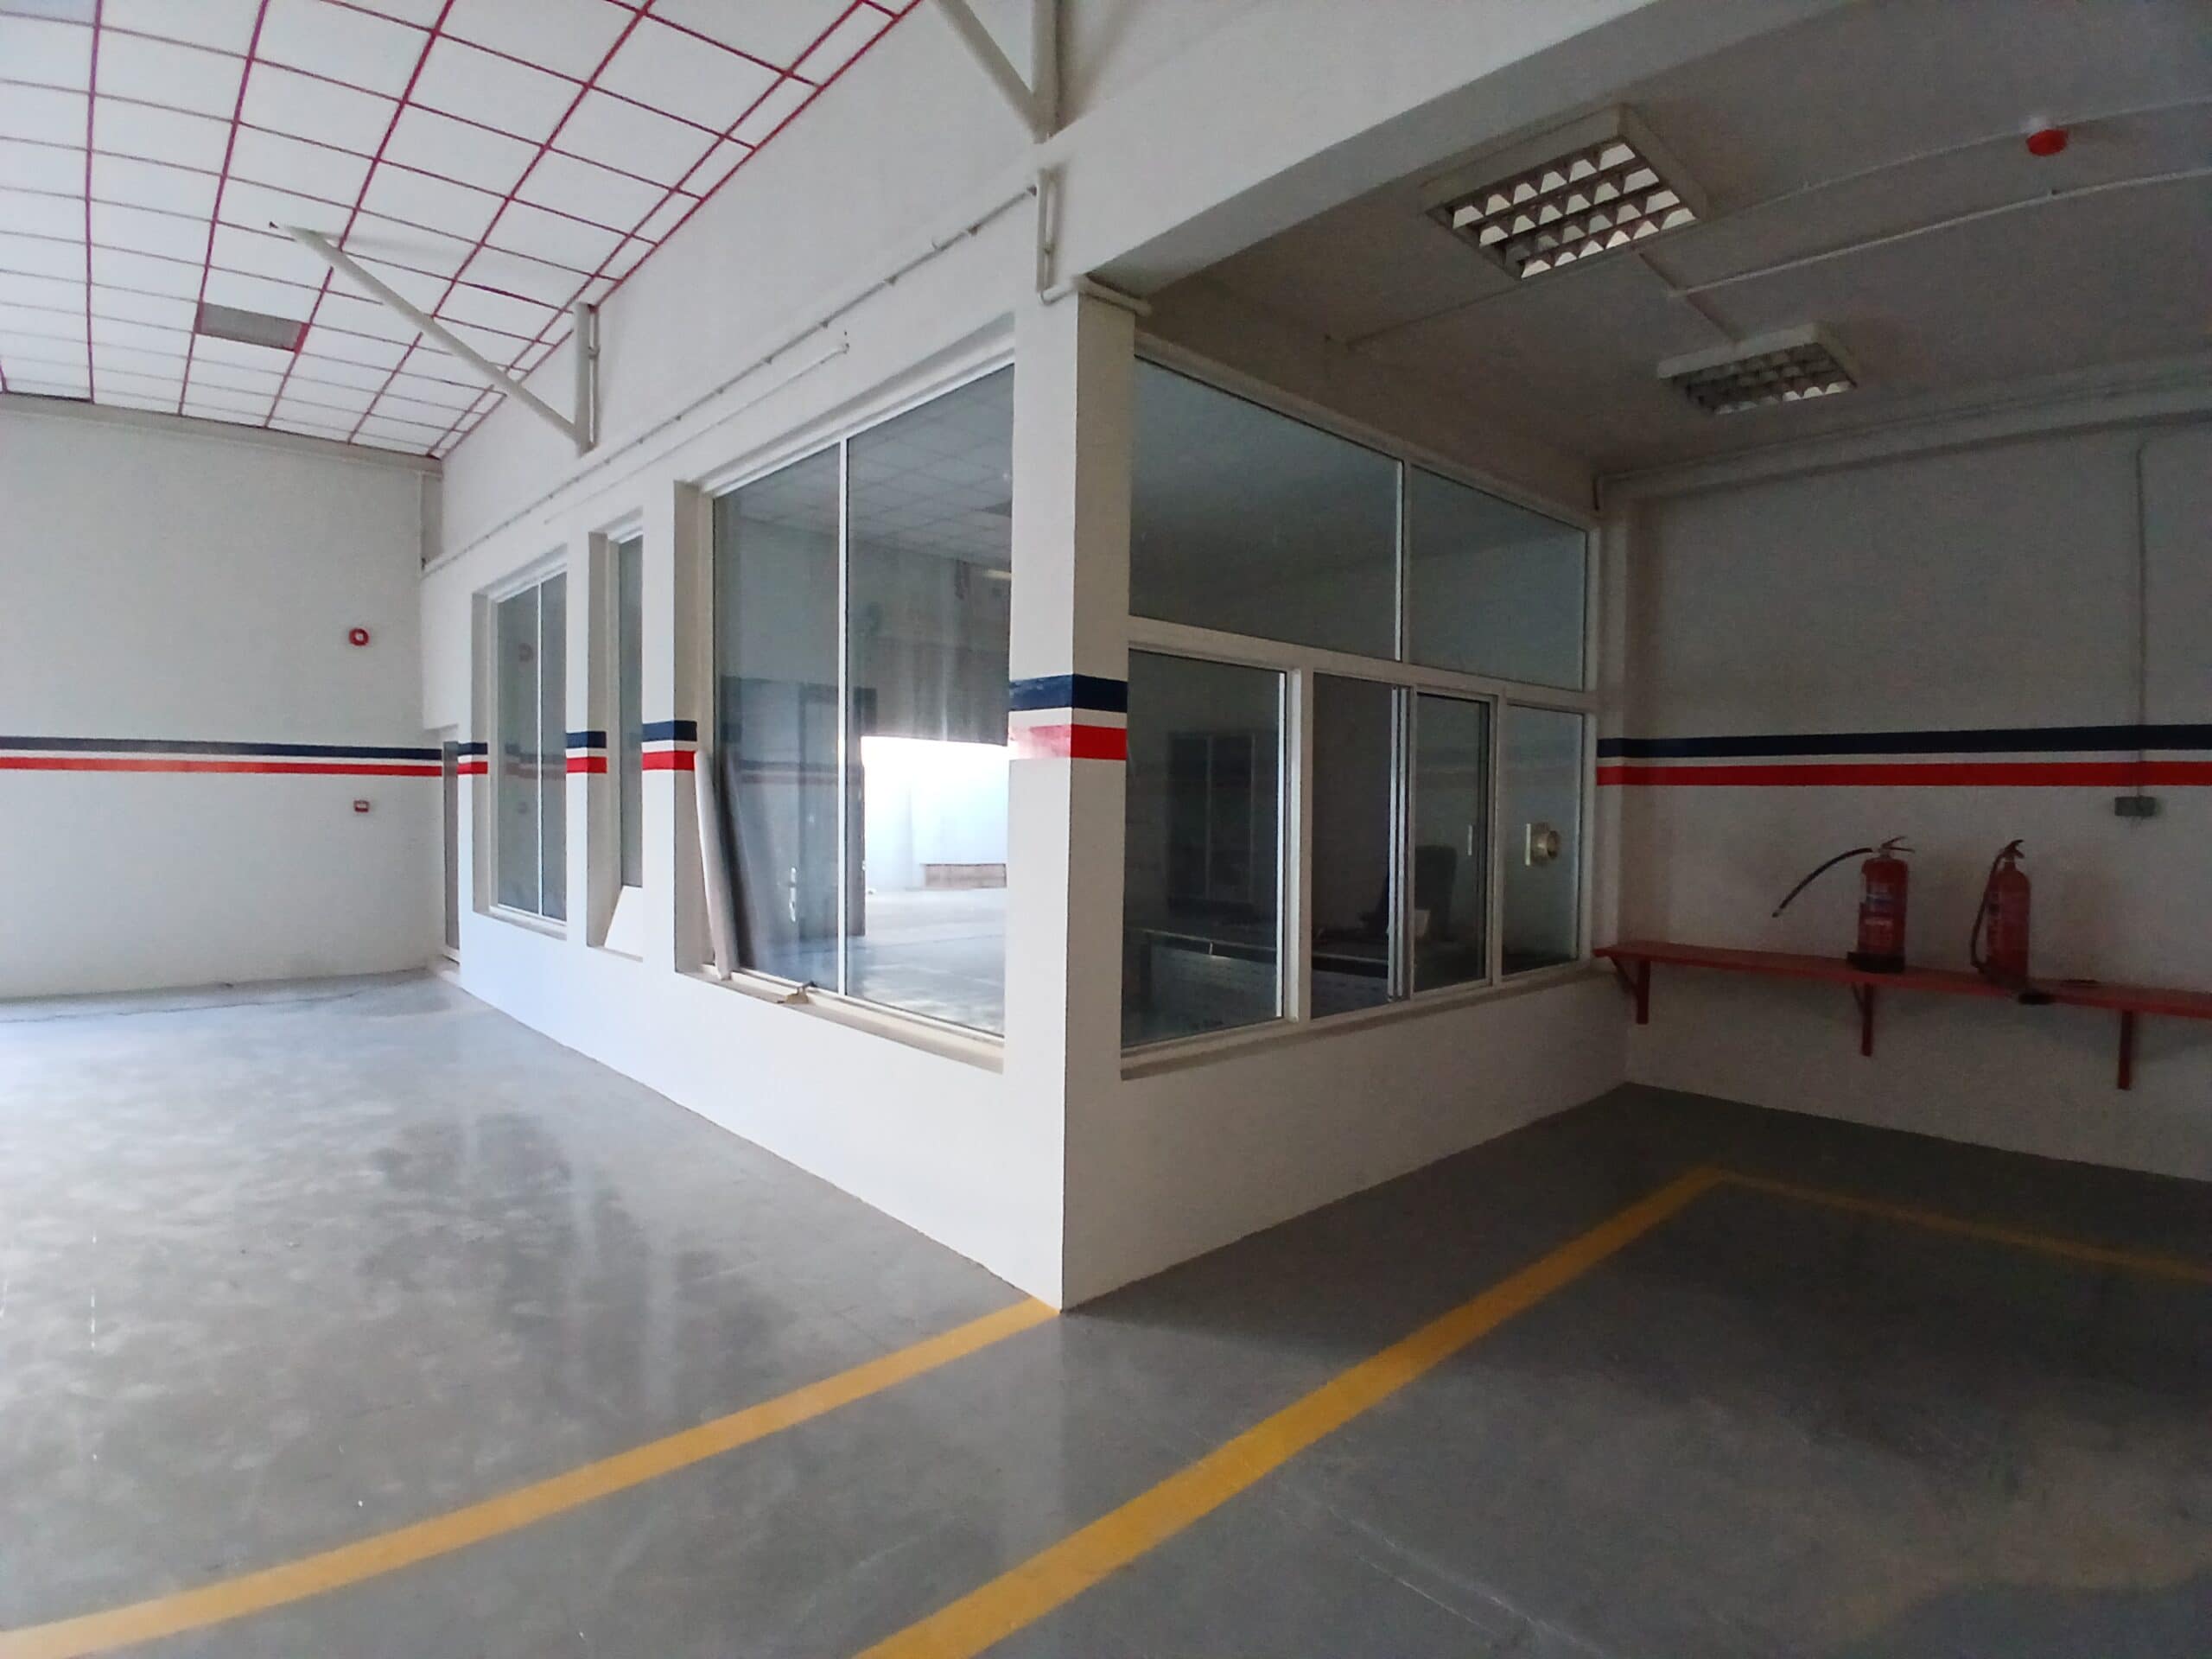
[
  {"x": 1354, "y": 910},
  {"x": 629, "y": 734},
  {"x": 1203, "y": 854},
  {"x": 1250, "y": 522},
  {"x": 529, "y": 787},
  {"x": 1492, "y": 588},
  {"x": 929, "y": 581},
  {"x": 515, "y": 792},
  {"x": 1542, "y": 842},
  {"x": 552, "y": 748},
  {"x": 1451, "y": 842},
  {"x": 776, "y": 715}
]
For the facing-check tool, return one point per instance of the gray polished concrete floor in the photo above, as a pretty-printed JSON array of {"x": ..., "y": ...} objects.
[{"x": 281, "y": 1274}]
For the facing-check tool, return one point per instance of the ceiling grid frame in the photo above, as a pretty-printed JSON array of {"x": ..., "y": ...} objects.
[
  {"x": 451, "y": 435},
  {"x": 433, "y": 226}
]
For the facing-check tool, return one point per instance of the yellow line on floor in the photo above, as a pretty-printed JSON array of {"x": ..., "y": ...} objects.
[
  {"x": 1066, "y": 1569},
  {"x": 2157, "y": 1267},
  {"x": 312, "y": 1575}
]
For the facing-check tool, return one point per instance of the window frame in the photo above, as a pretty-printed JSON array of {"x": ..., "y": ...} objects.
[
  {"x": 628, "y": 531},
  {"x": 804, "y": 444},
  {"x": 1301, "y": 664},
  {"x": 534, "y": 576}
]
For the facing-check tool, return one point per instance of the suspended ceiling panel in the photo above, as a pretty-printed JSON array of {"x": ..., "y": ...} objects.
[
  {"x": 1866, "y": 171},
  {"x": 493, "y": 161}
]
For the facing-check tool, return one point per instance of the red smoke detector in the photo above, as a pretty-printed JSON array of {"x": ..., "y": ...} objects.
[
  {"x": 357, "y": 636},
  {"x": 2044, "y": 141}
]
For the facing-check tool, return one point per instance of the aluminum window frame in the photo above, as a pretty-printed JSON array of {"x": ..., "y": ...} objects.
[
  {"x": 1300, "y": 665},
  {"x": 791, "y": 450}
]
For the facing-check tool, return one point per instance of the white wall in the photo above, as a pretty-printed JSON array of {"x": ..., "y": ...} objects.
[
  {"x": 1166, "y": 1165},
  {"x": 1993, "y": 586},
  {"x": 161, "y": 581}
]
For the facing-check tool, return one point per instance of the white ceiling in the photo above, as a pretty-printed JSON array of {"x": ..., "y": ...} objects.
[
  {"x": 1834, "y": 148},
  {"x": 494, "y": 161}
]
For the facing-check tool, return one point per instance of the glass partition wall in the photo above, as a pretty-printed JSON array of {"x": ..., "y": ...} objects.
[
  {"x": 1358, "y": 700},
  {"x": 861, "y": 631}
]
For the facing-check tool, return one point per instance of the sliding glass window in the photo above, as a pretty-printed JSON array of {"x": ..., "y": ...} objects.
[
  {"x": 864, "y": 789},
  {"x": 1451, "y": 842},
  {"x": 1201, "y": 914},
  {"x": 775, "y": 744},
  {"x": 1354, "y": 827},
  {"x": 1542, "y": 838},
  {"x": 629, "y": 731},
  {"x": 530, "y": 794},
  {"x": 1357, "y": 682}
]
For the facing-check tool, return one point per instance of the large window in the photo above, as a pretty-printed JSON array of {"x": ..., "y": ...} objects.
[
  {"x": 1359, "y": 683},
  {"x": 1247, "y": 522},
  {"x": 1203, "y": 897},
  {"x": 866, "y": 786},
  {"x": 629, "y": 731},
  {"x": 529, "y": 797},
  {"x": 1492, "y": 588}
]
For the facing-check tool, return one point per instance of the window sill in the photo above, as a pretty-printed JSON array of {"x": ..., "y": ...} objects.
[
  {"x": 1181, "y": 1053},
  {"x": 526, "y": 921},
  {"x": 976, "y": 1048}
]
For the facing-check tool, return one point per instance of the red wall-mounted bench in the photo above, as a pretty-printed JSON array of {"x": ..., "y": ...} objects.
[{"x": 1632, "y": 960}]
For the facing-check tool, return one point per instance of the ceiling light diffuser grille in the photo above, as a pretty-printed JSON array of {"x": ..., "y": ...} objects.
[
  {"x": 1598, "y": 186},
  {"x": 1787, "y": 368}
]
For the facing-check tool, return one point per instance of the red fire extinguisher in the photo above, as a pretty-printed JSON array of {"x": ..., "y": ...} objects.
[
  {"x": 1882, "y": 887},
  {"x": 2001, "y": 921}
]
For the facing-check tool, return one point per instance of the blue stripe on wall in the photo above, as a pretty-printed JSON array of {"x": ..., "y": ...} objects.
[
  {"x": 466, "y": 749},
  {"x": 2000, "y": 740},
  {"x": 586, "y": 739},
  {"x": 664, "y": 731},
  {"x": 1070, "y": 691},
  {"x": 204, "y": 746}
]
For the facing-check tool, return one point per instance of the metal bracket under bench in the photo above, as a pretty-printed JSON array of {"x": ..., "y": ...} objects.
[{"x": 1632, "y": 960}]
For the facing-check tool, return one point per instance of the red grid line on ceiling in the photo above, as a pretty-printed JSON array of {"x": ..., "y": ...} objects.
[
  {"x": 606, "y": 58},
  {"x": 214, "y": 214},
  {"x": 137, "y": 340},
  {"x": 368, "y": 177},
  {"x": 447, "y": 440}
]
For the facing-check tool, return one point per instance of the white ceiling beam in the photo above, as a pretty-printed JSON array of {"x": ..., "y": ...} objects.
[
  {"x": 578, "y": 429},
  {"x": 1029, "y": 103}
]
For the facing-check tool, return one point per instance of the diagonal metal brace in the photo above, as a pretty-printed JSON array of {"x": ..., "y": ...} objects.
[
  {"x": 1037, "y": 104},
  {"x": 579, "y": 429}
]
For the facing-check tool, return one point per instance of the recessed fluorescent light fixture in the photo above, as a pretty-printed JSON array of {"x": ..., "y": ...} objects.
[
  {"x": 1573, "y": 194},
  {"x": 249, "y": 328},
  {"x": 1789, "y": 367}
]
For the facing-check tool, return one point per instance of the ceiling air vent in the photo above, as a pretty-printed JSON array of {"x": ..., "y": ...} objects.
[
  {"x": 249, "y": 328},
  {"x": 1787, "y": 368},
  {"x": 1572, "y": 194}
]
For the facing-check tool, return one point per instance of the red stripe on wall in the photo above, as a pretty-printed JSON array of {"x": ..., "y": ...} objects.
[
  {"x": 668, "y": 759},
  {"x": 2000, "y": 775},
  {"x": 1069, "y": 742},
  {"x": 473, "y": 769},
  {"x": 139, "y": 763},
  {"x": 587, "y": 763}
]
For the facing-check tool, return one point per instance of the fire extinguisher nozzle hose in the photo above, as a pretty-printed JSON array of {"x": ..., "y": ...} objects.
[{"x": 1816, "y": 870}]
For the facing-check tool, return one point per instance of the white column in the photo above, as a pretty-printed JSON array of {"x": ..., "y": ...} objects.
[
  {"x": 678, "y": 638},
  {"x": 581, "y": 838},
  {"x": 1071, "y": 431}
]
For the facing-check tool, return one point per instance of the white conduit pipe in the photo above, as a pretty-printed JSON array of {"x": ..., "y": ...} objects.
[
  {"x": 967, "y": 224},
  {"x": 1950, "y": 221}
]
